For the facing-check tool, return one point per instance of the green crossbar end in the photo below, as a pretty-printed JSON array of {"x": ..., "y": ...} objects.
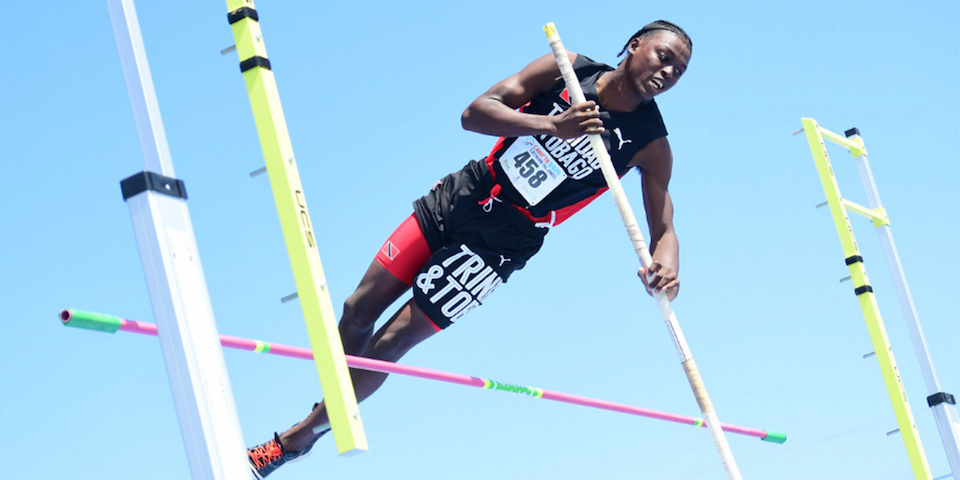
[
  {"x": 90, "y": 321},
  {"x": 775, "y": 437}
]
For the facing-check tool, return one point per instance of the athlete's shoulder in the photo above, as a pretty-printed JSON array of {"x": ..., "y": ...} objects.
[
  {"x": 650, "y": 116},
  {"x": 644, "y": 125},
  {"x": 650, "y": 110},
  {"x": 585, "y": 65}
]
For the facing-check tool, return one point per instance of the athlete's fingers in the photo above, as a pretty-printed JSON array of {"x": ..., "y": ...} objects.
[
  {"x": 664, "y": 277},
  {"x": 659, "y": 278},
  {"x": 589, "y": 107},
  {"x": 589, "y": 115},
  {"x": 580, "y": 119},
  {"x": 653, "y": 270},
  {"x": 669, "y": 284},
  {"x": 592, "y": 126},
  {"x": 649, "y": 277}
]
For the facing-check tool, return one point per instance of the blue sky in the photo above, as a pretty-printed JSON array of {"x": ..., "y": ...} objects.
[{"x": 372, "y": 95}]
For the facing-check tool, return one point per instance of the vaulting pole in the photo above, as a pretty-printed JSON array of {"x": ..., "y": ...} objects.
[{"x": 640, "y": 245}]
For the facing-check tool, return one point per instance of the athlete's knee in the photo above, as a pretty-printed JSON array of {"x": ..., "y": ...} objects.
[
  {"x": 377, "y": 290},
  {"x": 356, "y": 327},
  {"x": 402, "y": 333},
  {"x": 390, "y": 346},
  {"x": 359, "y": 314}
]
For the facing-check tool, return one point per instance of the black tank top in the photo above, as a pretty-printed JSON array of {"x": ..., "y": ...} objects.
[{"x": 552, "y": 178}]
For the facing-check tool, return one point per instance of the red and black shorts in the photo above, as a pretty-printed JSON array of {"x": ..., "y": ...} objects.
[{"x": 459, "y": 245}]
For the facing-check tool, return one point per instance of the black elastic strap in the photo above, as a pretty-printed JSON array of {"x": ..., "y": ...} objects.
[
  {"x": 143, "y": 181},
  {"x": 241, "y": 13},
  {"x": 853, "y": 131},
  {"x": 864, "y": 289},
  {"x": 940, "y": 397},
  {"x": 854, "y": 259},
  {"x": 254, "y": 62}
]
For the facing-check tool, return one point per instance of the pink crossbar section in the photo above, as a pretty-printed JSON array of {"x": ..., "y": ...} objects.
[{"x": 146, "y": 328}]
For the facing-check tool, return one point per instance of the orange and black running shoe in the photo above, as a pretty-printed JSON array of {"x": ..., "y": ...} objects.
[{"x": 269, "y": 456}]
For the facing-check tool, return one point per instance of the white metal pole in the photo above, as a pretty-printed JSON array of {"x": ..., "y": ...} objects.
[
  {"x": 944, "y": 410},
  {"x": 178, "y": 292},
  {"x": 143, "y": 98},
  {"x": 640, "y": 245}
]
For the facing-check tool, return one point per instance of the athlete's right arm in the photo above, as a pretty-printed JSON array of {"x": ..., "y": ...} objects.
[{"x": 495, "y": 112}]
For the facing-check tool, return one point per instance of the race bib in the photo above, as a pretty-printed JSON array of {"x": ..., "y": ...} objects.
[{"x": 531, "y": 169}]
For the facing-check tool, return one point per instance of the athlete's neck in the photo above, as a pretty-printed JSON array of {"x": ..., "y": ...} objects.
[{"x": 615, "y": 93}]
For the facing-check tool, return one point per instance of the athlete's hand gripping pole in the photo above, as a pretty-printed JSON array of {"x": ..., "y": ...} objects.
[{"x": 639, "y": 244}]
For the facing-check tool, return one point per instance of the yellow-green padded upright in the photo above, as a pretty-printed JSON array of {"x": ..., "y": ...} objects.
[
  {"x": 868, "y": 302},
  {"x": 339, "y": 397}
]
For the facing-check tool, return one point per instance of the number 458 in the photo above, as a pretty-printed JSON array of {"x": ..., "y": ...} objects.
[{"x": 529, "y": 168}]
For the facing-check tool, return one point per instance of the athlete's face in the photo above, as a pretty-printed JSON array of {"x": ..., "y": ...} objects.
[{"x": 656, "y": 63}]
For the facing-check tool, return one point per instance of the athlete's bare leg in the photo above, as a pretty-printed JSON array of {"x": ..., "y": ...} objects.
[
  {"x": 377, "y": 290},
  {"x": 408, "y": 327}
]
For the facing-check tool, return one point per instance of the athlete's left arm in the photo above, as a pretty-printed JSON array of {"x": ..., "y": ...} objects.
[{"x": 655, "y": 162}]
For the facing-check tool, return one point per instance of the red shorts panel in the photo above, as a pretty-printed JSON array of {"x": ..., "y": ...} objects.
[{"x": 405, "y": 251}]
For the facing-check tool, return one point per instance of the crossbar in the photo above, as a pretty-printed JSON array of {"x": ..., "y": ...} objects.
[{"x": 111, "y": 324}]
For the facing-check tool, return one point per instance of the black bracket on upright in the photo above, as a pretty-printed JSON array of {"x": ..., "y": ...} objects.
[
  {"x": 255, "y": 61},
  {"x": 143, "y": 181},
  {"x": 940, "y": 397},
  {"x": 241, "y": 13}
]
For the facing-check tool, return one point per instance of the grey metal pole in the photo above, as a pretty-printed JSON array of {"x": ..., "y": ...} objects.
[{"x": 943, "y": 404}]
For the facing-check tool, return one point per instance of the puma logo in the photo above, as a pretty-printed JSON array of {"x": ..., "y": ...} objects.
[{"x": 620, "y": 137}]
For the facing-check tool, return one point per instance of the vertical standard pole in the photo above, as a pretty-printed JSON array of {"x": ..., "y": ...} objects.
[
  {"x": 178, "y": 292},
  {"x": 338, "y": 394},
  {"x": 868, "y": 302},
  {"x": 633, "y": 229},
  {"x": 943, "y": 404}
]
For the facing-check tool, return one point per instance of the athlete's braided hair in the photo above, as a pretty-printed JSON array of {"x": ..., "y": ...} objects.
[{"x": 659, "y": 25}]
